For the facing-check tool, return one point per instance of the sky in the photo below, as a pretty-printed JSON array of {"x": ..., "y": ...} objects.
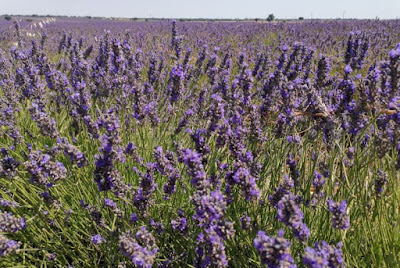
[{"x": 283, "y": 9}]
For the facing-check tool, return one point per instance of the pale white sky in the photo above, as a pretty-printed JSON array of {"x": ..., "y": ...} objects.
[{"x": 384, "y": 9}]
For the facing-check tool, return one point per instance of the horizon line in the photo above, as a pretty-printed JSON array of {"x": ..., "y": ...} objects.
[{"x": 191, "y": 18}]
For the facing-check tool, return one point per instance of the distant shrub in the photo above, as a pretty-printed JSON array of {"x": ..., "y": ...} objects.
[
  {"x": 7, "y": 17},
  {"x": 271, "y": 17}
]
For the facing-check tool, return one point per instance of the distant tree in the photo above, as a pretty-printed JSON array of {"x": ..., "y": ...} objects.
[
  {"x": 301, "y": 18},
  {"x": 270, "y": 17},
  {"x": 7, "y": 17}
]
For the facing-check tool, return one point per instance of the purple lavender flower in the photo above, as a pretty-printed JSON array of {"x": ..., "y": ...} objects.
[
  {"x": 350, "y": 152},
  {"x": 110, "y": 203},
  {"x": 293, "y": 139},
  {"x": 293, "y": 166},
  {"x": 323, "y": 255},
  {"x": 211, "y": 208},
  {"x": 282, "y": 190},
  {"x": 141, "y": 249},
  {"x": 195, "y": 170},
  {"x": 174, "y": 33},
  {"x": 8, "y": 246},
  {"x": 166, "y": 165},
  {"x": 8, "y": 203},
  {"x": 95, "y": 214},
  {"x": 210, "y": 249},
  {"x": 46, "y": 124},
  {"x": 143, "y": 196},
  {"x": 247, "y": 183},
  {"x": 323, "y": 78},
  {"x": 274, "y": 251},
  {"x": 9, "y": 223},
  {"x": 380, "y": 181},
  {"x": 72, "y": 152},
  {"x": 184, "y": 121},
  {"x": 246, "y": 222},
  {"x": 157, "y": 226},
  {"x": 134, "y": 217},
  {"x": 97, "y": 239},
  {"x": 318, "y": 184},
  {"x": 200, "y": 143},
  {"x": 8, "y": 166},
  {"x": 340, "y": 218},
  {"x": 176, "y": 89},
  {"x": 347, "y": 69},
  {"x": 42, "y": 168},
  {"x": 52, "y": 256},
  {"x": 290, "y": 214},
  {"x": 131, "y": 150},
  {"x": 107, "y": 176},
  {"x": 180, "y": 224}
]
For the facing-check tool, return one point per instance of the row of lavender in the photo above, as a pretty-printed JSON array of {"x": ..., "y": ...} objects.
[{"x": 205, "y": 144}]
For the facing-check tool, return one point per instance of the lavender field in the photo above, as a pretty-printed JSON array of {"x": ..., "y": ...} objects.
[{"x": 199, "y": 144}]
